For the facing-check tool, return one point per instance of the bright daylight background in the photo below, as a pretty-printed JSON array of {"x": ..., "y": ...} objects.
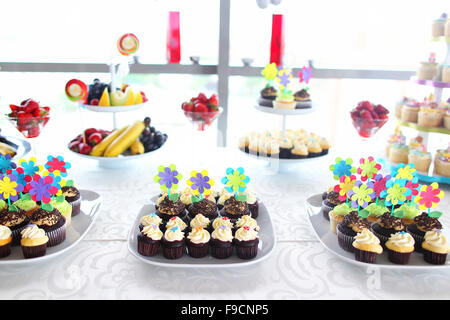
[{"x": 334, "y": 34}]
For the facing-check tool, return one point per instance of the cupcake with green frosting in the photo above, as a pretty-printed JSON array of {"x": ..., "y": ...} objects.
[
  {"x": 26, "y": 204},
  {"x": 410, "y": 211},
  {"x": 64, "y": 207},
  {"x": 284, "y": 100},
  {"x": 376, "y": 210},
  {"x": 2, "y": 204},
  {"x": 337, "y": 215}
]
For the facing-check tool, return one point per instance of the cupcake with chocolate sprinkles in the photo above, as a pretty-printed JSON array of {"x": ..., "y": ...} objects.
[
  {"x": 422, "y": 224},
  {"x": 53, "y": 223},
  {"x": 349, "y": 228},
  {"x": 15, "y": 220},
  {"x": 331, "y": 201},
  {"x": 387, "y": 225},
  {"x": 168, "y": 209},
  {"x": 234, "y": 209},
  {"x": 72, "y": 196},
  {"x": 205, "y": 207}
]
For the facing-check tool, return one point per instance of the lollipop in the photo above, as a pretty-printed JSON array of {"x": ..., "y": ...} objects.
[
  {"x": 76, "y": 90},
  {"x": 128, "y": 44}
]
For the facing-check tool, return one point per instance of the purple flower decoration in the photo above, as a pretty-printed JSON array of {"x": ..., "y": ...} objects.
[
  {"x": 305, "y": 74},
  {"x": 200, "y": 183},
  {"x": 42, "y": 188},
  {"x": 168, "y": 177},
  {"x": 6, "y": 163}
]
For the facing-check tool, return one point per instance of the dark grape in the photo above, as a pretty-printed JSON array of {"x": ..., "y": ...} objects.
[
  {"x": 152, "y": 129},
  {"x": 147, "y": 121}
]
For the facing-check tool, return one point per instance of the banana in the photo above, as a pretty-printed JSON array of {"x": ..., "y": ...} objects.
[
  {"x": 99, "y": 149},
  {"x": 125, "y": 140},
  {"x": 7, "y": 149},
  {"x": 137, "y": 147}
]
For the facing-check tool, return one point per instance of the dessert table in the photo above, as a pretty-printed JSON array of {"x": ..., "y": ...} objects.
[{"x": 101, "y": 267}]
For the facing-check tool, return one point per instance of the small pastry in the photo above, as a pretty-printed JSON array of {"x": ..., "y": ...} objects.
[
  {"x": 398, "y": 153},
  {"x": 149, "y": 240},
  {"x": 150, "y": 219},
  {"x": 29, "y": 206},
  {"x": 200, "y": 221},
  {"x": 366, "y": 246},
  {"x": 221, "y": 243},
  {"x": 176, "y": 222},
  {"x": 234, "y": 209},
  {"x": 435, "y": 247},
  {"x": 350, "y": 226},
  {"x": 284, "y": 100},
  {"x": 205, "y": 207},
  {"x": 337, "y": 215},
  {"x": 422, "y": 224},
  {"x": 53, "y": 223},
  {"x": 285, "y": 148},
  {"x": 430, "y": 116},
  {"x": 5, "y": 241},
  {"x": 72, "y": 196},
  {"x": 168, "y": 209},
  {"x": 16, "y": 221},
  {"x": 386, "y": 225},
  {"x": 400, "y": 246},
  {"x": 420, "y": 159},
  {"x": 197, "y": 242},
  {"x": 246, "y": 241},
  {"x": 222, "y": 221},
  {"x": 173, "y": 243},
  {"x": 65, "y": 208},
  {"x": 442, "y": 164},
  {"x": 33, "y": 241},
  {"x": 247, "y": 221}
]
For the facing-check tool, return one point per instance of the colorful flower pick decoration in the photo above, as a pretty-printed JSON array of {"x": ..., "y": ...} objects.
[
  {"x": 305, "y": 74},
  {"x": 429, "y": 197},
  {"x": 346, "y": 184},
  {"x": 58, "y": 181},
  {"x": 23, "y": 179},
  {"x": 57, "y": 164},
  {"x": 342, "y": 168},
  {"x": 200, "y": 183},
  {"x": 368, "y": 168},
  {"x": 6, "y": 163},
  {"x": 168, "y": 179},
  {"x": 395, "y": 193},
  {"x": 284, "y": 78},
  {"x": 10, "y": 189},
  {"x": 361, "y": 194},
  {"x": 379, "y": 184},
  {"x": 270, "y": 73},
  {"x": 405, "y": 172},
  {"x": 30, "y": 167},
  {"x": 42, "y": 189},
  {"x": 236, "y": 181},
  {"x": 414, "y": 189}
]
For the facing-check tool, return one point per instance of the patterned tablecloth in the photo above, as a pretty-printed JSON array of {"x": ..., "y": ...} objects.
[{"x": 299, "y": 268}]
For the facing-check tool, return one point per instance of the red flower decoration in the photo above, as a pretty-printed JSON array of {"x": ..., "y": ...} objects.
[
  {"x": 379, "y": 184},
  {"x": 414, "y": 187},
  {"x": 56, "y": 164}
]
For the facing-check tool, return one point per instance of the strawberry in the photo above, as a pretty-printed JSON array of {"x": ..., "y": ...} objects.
[
  {"x": 374, "y": 115},
  {"x": 90, "y": 131},
  {"x": 94, "y": 139},
  {"x": 37, "y": 112},
  {"x": 93, "y": 102},
  {"x": 144, "y": 97},
  {"x": 74, "y": 146},
  {"x": 14, "y": 108},
  {"x": 84, "y": 148},
  {"x": 367, "y": 105},
  {"x": 200, "y": 107},
  {"x": 31, "y": 105},
  {"x": 202, "y": 98},
  {"x": 187, "y": 106},
  {"x": 354, "y": 114},
  {"x": 213, "y": 100},
  {"x": 366, "y": 115},
  {"x": 381, "y": 110}
]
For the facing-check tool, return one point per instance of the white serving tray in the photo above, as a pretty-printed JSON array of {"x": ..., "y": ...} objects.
[
  {"x": 114, "y": 109},
  {"x": 80, "y": 226},
  {"x": 265, "y": 247},
  {"x": 329, "y": 241}
]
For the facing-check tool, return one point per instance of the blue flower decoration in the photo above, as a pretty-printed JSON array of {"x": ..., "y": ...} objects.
[
  {"x": 31, "y": 167},
  {"x": 56, "y": 180},
  {"x": 235, "y": 180},
  {"x": 20, "y": 177},
  {"x": 6, "y": 163},
  {"x": 405, "y": 172},
  {"x": 342, "y": 168}
]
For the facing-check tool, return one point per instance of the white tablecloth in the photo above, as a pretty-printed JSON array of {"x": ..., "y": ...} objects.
[{"x": 300, "y": 268}]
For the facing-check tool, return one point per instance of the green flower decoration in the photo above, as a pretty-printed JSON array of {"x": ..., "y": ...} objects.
[
  {"x": 396, "y": 194},
  {"x": 235, "y": 180},
  {"x": 361, "y": 194},
  {"x": 168, "y": 178}
]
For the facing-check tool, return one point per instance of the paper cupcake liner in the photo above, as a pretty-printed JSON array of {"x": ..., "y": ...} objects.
[
  {"x": 418, "y": 239},
  {"x": 198, "y": 250},
  {"x": 173, "y": 253},
  {"x": 326, "y": 210},
  {"x": 221, "y": 250},
  {"x": 34, "y": 251},
  {"x": 247, "y": 250},
  {"x": 345, "y": 241},
  {"x": 365, "y": 256},
  {"x": 148, "y": 249},
  {"x": 76, "y": 207},
  {"x": 16, "y": 236},
  {"x": 5, "y": 250},
  {"x": 434, "y": 258},
  {"x": 333, "y": 224},
  {"x": 398, "y": 257},
  {"x": 56, "y": 236}
]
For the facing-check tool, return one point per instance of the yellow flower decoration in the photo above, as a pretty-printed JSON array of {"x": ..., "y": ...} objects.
[
  {"x": 200, "y": 183},
  {"x": 8, "y": 187},
  {"x": 429, "y": 196},
  {"x": 270, "y": 71}
]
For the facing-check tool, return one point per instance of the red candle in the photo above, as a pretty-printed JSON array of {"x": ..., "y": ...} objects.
[
  {"x": 277, "y": 42},
  {"x": 173, "y": 38}
]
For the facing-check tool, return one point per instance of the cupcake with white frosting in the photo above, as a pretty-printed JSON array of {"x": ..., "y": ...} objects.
[
  {"x": 197, "y": 242},
  {"x": 200, "y": 221},
  {"x": 176, "y": 222},
  {"x": 246, "y": 240},
  {"x": 5, "y": 241},
  {"x": 222, "y": 221},
  {"x": 221, "y": 242},
  {"x": 247, "y": 221},
  {"x": 400, "y": 246},
  {"x": 150, "y": 219},
  {"x": 435, "y": 247},
  {"x": 149, "y": 240},
  {"x": 33, "y": 241},
  {"x": 366, "y": 246},
  {"x": 173, "y": 243}
]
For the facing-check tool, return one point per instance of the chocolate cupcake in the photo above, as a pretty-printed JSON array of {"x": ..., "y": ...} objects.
[
  {"x": 246, "y": 241},
  {"x": 53, "y": 223},
  {"x": 400, "y": 246},
  {"x": 175, "y": 222},
  {"x": 349, "y": 228},
  {"x": 33, "y": 241},
  {"x": 422, "y": 224},
  {"x": 168, "y": 209},
  {"x": 252, "y": 203},
  {"x": 205, "y": 207},
  {"x": 387, "y": 225},
  {"x": 302, "y": 99},
  {"x": 366, "y": 246},
  {"x": 15, "y": 221},
  {"x": 331, "y": 201},
  {"x": 73, "y": 197},
  {"x": 148, "y": 240},
  {"x": 222, "y": 221},
  {"x": 268, "y": 95},
  {"x": 435, "y": 247},
  {"x": 200, "y": 221},
  {"x": 234, "y": 209},
  {"x": 246, "y": 221},
  {"x": 173, "y": 243},
  {"x": 5, "y": 241},
  {"x": 197, "y": 242},
  {"x": 221, "y": 243},
  {"x": 285, "y": 148},
  {"x": 148, "y": 220}
]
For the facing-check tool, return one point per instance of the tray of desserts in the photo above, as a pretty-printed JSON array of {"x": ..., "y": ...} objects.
[
  {"x": 203, "y": 234},
  {"x": 292, "y": 146},
  {"x": 287, "y": 112},
  {"x": 37, "y": 243}
]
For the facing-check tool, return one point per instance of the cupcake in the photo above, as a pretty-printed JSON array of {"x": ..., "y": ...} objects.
[
  {"x": 268, "y": 95},
  {"x": 223, "y": 197},
  {"x": 399, "y": 246},
  {"x": 430, "y": 116},
  {"x": 27, "y": 205},
  {"x": 252, "y": 202},
  {"x": 331, "y": 201},
  {"x": 324, "y": 145},
  {"x": 65, "y": 208},
  {"x": 435, "y": 247},
  {"x": 396, "y": 137},
  {"x": 285, "y": 148},
  {"x": 422, "y": 224},
  {"x": 427, "y": 70},
  {"x": 398, "y": 153},
  {"x": 247, "y": 221},
  {"x": 421, "y": 160},
  {"x": 386, "y": 225},
  {"x": 73, "y": 197},
  {"x": 284, "y": 100},
  {"x": 300, "y": 151},
  {"x": 246, "y": 241},
  {"x": 442, "y": 164},
  {"x": 15, "y": 221},
  {"x": 273, "y": 148},
  {"x": 376, "y": 210},
  {"x": 366, "y": 246},
  {"x": 243, "y": 143},
  {"x": 205, "y": 207},
  {"x": 447, "y": 119},
  {"x": 314, "y": 149},
  {"x": 410, "y": 112},
  {"x": 5, "y": 241},
  {"x": 173, "y": 243},
  {"x": 222, "y": 221},
  {"x": 148, "y": 240},
  {"x": 168, "y": 209},
  {"x": 302, "y": 99},
  {"x": 197, "y": 242},
  {"x": 438, "y": 26},
  {"x": 150, "y": 219},
  {"x": 234, "y": 209},
  {"x": 33, "y": 241},
  {"x": 200, "y": 221},
  {"x": 53, "y": 223},
  {"x": 186, "y": 197},
  {"x": 351, "y": 225},
  {"x": 409, "y": 212},
  {"x": 337, "y": 215},
  {"x": 176, "y": 222},
  {"x": 221, "y": 242},
  {"x": 253, "y": 146}
]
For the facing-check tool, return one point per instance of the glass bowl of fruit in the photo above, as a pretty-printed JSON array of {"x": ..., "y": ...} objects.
[
  {"x": 201, "y": 111},
  {"x": 368, "y": 118},
  {"x": 29, "y": 117}
]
